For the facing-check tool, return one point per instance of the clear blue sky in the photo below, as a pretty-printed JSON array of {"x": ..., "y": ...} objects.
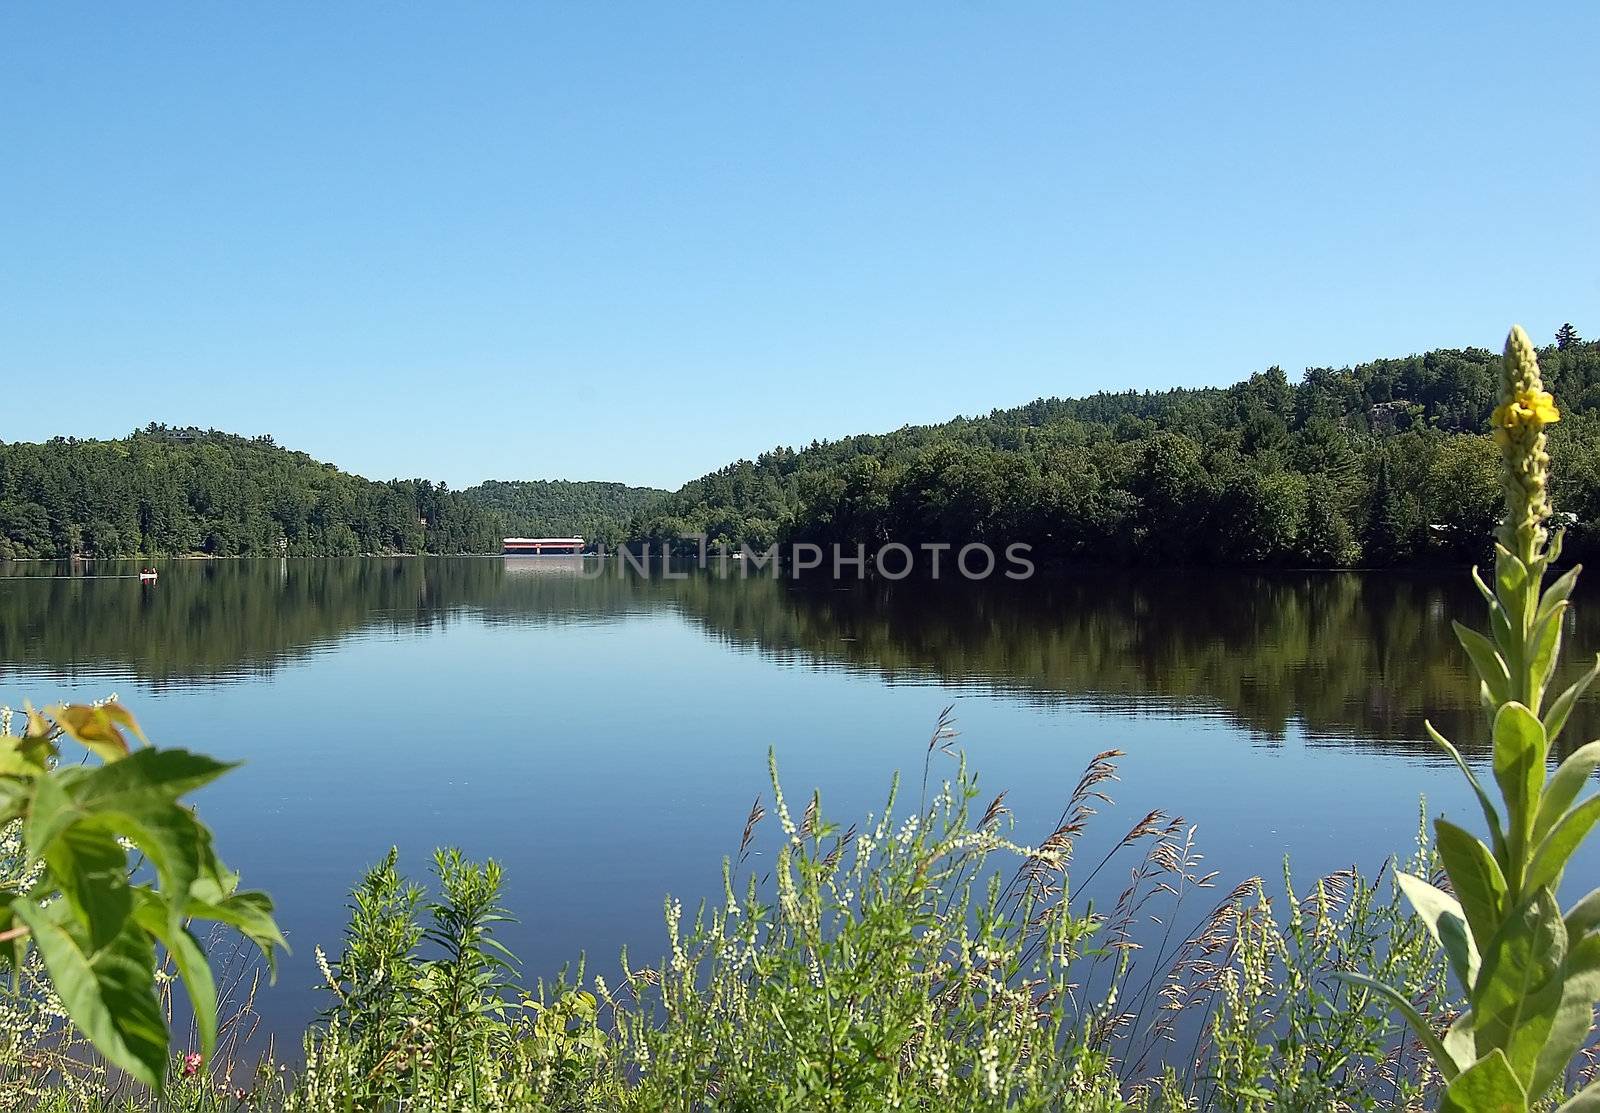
[{"x": 636, "y": 241}]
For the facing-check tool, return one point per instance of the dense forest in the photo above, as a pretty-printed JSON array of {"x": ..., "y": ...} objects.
[
  {"x": 167, "y": 491},
  {"x": 1382, "y": 464},
  {"x": 562, "y": 507}
]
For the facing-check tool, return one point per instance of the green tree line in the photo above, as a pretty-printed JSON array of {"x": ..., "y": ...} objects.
[
  {"x": 1382, "y": 464},
  {"x": 1386, "y": 463},
  {"x": 563, "y": 507},
  {"x": 172, "y": 491}
]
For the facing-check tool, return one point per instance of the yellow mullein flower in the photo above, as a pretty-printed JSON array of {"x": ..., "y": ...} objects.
[
  {"x": 1531, "y": 407},
  {"x": 1518, "y": 424}
]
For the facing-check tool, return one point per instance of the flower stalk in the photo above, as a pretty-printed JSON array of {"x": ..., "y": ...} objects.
[{"x": 1531, "y": 974}]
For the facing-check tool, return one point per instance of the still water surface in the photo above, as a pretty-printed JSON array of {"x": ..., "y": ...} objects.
[{"x": 604, "y": 738}]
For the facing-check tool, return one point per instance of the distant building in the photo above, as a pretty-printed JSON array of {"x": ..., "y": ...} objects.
[{"x": 536, "y": 546}]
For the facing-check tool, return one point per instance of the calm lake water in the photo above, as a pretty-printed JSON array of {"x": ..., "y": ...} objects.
[{"x": 604, "y": 738}]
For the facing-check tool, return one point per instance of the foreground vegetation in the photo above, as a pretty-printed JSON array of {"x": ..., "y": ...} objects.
[{"x": 920, "y": 959}]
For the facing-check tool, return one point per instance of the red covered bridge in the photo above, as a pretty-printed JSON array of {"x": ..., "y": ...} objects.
[{"x": 536, "y": 546}]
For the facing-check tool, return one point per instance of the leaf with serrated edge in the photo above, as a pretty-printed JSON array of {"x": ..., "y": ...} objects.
[
  {"x": 138, "y": 795},
  {"x": 191, "y": 962},
  {"x": 89, "y": 866},
  {"x": 109, "y": 996}
]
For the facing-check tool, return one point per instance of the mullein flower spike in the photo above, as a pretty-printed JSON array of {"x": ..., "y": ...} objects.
[
  {"x": 1531, "y": 976},
  {"x": 1518, "y": 422}
]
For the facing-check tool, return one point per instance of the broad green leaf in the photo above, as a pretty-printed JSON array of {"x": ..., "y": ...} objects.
[
  {"x": 13, "y": 764},
  {"x": 1558, "y": 592},
  {"x": 50, "y": 812},
  {"x": 1487, "y": 1086},
  {"x": 1442, "y": 914},
  {"x": 1424, "y": 1031},
  {"x": 1519, "y": 753},
  {"x": 91, "y": 869},
  {"x": 1546, "y": 643},
  {"x": 1510, "y": 577},
  {"x": 39, "y": 750},
  {"x": 25, "y": 757},
  {"x": 1490, "y": 815},
  {"x": 186, "y": 952},
  {"x": 1564, "y": 785},
  {"x": 1555, "y": 718},
  {"x": 251, "y": 913},
  {"x": 1551, "y": 856},
  {"x": 138, "y": 795},
  {"x": 1460, "y": 948},
  {"x": 146, "y": 774},
  {"x": 109, "y": 993},
  {"x": 1580, "y": 989},
  {"x": 1475, "y": 876},
  {"x": 1495, "y": 609},
  {"x": 1518, "y": 993},
  {"x": 1490, "y": 665},
  {"x": 214, "y": 881},
  {"x": 14, "y": 797},
  {"x": 1459, "y": 1042}
]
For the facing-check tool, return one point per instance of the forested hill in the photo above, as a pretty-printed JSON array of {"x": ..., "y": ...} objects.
[
  {"x": 563, "y": 507},
  {"x": 1385, "y": 463},
  {"x": 163, "y": 490},
  {"x": 1380, "y": 464}
]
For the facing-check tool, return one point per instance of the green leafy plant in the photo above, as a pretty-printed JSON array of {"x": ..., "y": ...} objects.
[
  {"x": 121, "y": 867},
  {"x": 434, "y": 1028},
  {"x": 1531, "y": 974}
]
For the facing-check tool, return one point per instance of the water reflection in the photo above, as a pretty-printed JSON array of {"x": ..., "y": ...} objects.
[{"x": 1347, "y": 657}]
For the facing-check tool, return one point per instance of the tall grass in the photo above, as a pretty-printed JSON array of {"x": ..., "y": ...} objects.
[{"x": 921, "y": 958}]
